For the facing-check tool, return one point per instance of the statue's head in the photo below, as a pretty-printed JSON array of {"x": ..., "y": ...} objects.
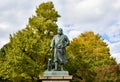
[{"x": 60, "y": 31}]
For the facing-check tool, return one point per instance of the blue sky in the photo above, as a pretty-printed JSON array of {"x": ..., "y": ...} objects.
[{"x": 77, "y": 16}]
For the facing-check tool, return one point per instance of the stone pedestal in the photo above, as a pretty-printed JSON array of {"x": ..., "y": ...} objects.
[{"x": 56, "y": 76}]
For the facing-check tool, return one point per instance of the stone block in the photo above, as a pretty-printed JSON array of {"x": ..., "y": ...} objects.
[
  {"x": 67, "y": 77},
  {"x": 56, "y": 73},
  {"x": 56, "y": 76}
]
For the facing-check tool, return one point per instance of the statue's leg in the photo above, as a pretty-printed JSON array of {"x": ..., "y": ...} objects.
[
  {"x": 50, "y": 65},
  {"x": 62, "y": 66},
  {"x": 48, "y": 68},
  {"x": 56, "y": 60},
  {"x": 56, "y": 66}
]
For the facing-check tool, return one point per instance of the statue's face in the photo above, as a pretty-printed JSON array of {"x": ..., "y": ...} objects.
[{"x": 60, "y": 31}]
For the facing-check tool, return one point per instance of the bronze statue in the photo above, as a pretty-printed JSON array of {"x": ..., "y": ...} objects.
[{"x": 58, "y": 44}]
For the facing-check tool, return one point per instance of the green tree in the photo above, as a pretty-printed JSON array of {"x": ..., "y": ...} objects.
[
  {"x": 109, "y": 74},
  {"x": 86, "y": 53},
  {"x": 27, "y": 52}
]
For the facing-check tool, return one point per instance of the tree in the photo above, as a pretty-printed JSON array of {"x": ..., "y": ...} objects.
[
  {"x": 28, "y": 49},
  {"x": 86, "y": 53},
  {"x": 109, "y": 74}
]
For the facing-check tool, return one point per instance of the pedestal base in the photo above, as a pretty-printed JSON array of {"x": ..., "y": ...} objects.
[
  {"x": 56, "y": 73},
  {"x": 56, "y": 76}
]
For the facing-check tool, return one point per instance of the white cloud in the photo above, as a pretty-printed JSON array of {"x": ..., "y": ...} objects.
[
  {"x": 74, "y": 33},
  {"x": 114, "y": 50},
  {"x": 117, "y": 57},
  {"x": 77, "y": 16},
  {"x": 13, "y": 17},
  {"x": 3, "y": 26},
  {"x": 3, "y": 41},
  {"x": 95, "y": 15},
  {"x": 116, "y": 4},
  {"x": 114, "y": 32},
  {"x": 100, "y": 16},
  {"x": 114, "y": 47}
]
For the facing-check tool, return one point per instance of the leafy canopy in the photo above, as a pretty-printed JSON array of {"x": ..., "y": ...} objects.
[
  {"x": 27, "y": 52},
  {"x": 86, "y": 53}
]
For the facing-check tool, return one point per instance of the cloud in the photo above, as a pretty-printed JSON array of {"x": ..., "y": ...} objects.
[
  {"x": 14, "y": 16},
  {"x": 99, "y": 16},
  {"x": 114, "y": 32},
  {"x": 77, "y": 16},
  {"x": 114, "y": 47},
  {"x": 3, "y": 26},
  {"x": 90, "y": 14},
  {"x": 117, "y": 57}
]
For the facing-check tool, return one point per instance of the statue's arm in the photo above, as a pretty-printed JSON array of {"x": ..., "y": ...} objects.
[{"x": 67, "y": 41}]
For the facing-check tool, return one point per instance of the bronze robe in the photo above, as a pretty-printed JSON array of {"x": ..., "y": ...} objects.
[{"x": 59, "y": 43}]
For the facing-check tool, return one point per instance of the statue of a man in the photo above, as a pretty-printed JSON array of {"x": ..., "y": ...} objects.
[{"x": 58, "y": 44}]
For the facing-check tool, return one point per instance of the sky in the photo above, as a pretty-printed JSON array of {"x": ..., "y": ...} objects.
[{"x": 77, "y": 16}]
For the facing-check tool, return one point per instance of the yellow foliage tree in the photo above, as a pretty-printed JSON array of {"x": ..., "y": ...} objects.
[{"x": 86, "y": 53}]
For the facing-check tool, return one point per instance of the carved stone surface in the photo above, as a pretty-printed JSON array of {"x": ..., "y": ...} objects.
[
  {"x": 56, "y": 78},
  {"x": 56, "y": 73}
]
